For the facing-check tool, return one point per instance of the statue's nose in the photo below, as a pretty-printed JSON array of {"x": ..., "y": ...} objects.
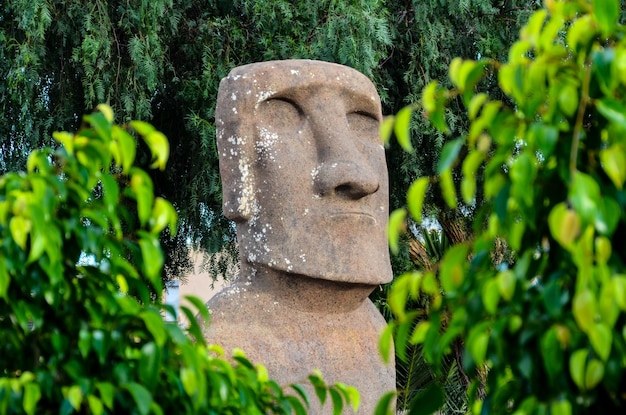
[
  {"x": 343, "y": 170},
  {"x": 345, "y": 179}
]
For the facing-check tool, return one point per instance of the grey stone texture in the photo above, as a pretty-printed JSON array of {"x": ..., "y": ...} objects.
[{"x": 304, "y": 178}]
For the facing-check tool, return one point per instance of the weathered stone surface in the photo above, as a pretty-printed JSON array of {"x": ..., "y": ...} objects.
[{"x": 305, "y": 180}]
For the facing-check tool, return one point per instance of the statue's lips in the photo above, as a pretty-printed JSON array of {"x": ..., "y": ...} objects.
[{"x": 351, "y": 215}]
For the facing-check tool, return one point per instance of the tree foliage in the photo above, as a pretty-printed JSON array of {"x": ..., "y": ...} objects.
[
  {"x": 545, "y": 332},
  {"x": 80, "y": 279},
  {"x": 161, "y": 61}
]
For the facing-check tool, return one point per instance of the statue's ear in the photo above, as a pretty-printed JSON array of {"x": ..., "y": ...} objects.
[{"x": 234, "y": 118}]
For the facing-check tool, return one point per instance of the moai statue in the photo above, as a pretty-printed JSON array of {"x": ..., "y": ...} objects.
[{"x": 304, "y": 178}]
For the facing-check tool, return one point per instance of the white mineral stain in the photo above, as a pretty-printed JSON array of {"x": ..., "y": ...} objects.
[
  {"x": 263, "y": 95},
  {"x": 315, "y": 172},
  {"x": 233, "y": 97},
  {"x": 265, "y": 142},
  {"x": 235, "y": 110},
  {"x": 295, "y": 72},
  {"x": 247, "y": 202}
]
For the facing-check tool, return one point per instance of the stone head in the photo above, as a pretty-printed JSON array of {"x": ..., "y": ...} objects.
[{"x": 303, "y": 170}]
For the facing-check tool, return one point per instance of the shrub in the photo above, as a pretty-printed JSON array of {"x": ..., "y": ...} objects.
[
  {"x": 81, "y": 324},
  {"x": 545, "y": 333}
]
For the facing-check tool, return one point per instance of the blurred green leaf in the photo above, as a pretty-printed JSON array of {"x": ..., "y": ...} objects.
[
  {"x": 149, "y": 364},
  {"x": 385, "y": 404},
  {"x": 396, "y": 227},
  {"x": 447, "y": 188},
  {"x": 594, "y": 373},
  {"x": 601, "y": 339},
  {"x": 561, "y": 407},
  {"x": 449, "y": 154},
  {"x": 32, "y": 395},
  {"x": 402, "y": 128},
  {"x": 428, "y": 401},
  {"x": 415, "y": 197},
  {"x": 386, "y": 128},
  {"x": 337, "y": 401},
  {"x": 141, "y": 396},
  {"x": 613, "y": 161},
  {"x": 585, "y": 309},
  {"x": 607, "y": 14}
]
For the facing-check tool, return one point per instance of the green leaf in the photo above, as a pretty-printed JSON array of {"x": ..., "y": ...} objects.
[
  {"x": 155, "y": 325},
  {"x": 32, "y": 394},
  {"x": 143, "y": 189},
  {"x": 491, "y": 296},
  {"x": 318, "y": 386},
  {"x": 585, "y": 309},
  {"x": 546, "y": 137},
  {"x": 561, "y": 407},
  {"x": 552, "y": 354},
  {"x": 468, "y": 184},
  {"x": 415, "y": 197},
  {"x": 337, "y": 401},
  {"x": 201, "y": 307},
  {"x": 584, "y": 195},
  {"x": 449, "y": 154},
  {"x": 5, "y": 280},
  {"x": 189, "y": 381},
  {"x": 95, "y": 405},
  {"x": 506, "y": 284},
  {"x": 594, "y": 373},
  {"x": 386, "y": 127},
  {"x": 101, "y": 124},
  {"x": 613, "y": 161},
  {"x": 142, "y": 127},
  {"x": 613, "y": 111},
  {"x": 163, "y": 214},
  {"x": 447, "y": 189},
  {"x": 577, "y": 363},
  {"x": 477, "y": 342},
  {"x": 606, "y": 13},
  {"x": 581, "y": 32},
  {"x": 419, "y": 334},
  {"x": 152, "y": 259},
  {"x": 149, "y": 364},
  {"x": 619, "y": 282},
  {"x": 385, "y": 404},
  {"x": 564, "y": 224},
  {"x": 302, "y": 393},
  {"x": 75, "y": 396},
  {"x": 476, "y": 104},
  {"x": 385, "y": 343},
  {"x": 428, "y": 401},
  {"x": 453, "y": 267},
  {"x": 402, "y": 128},
  {"x": 296, "y": 405},
  {"x": 601, "y": 338},
  {"x": 141, "y": 396},
  {"x": 126, "y": 148},
  {"x": 20, "y": 228},
  {"x": 397, "y": 225},
  {"x": 568, "y": 99},
  {"x": 107, "y": 392},
  {"x": 160, "y": 148},
  {"x": 351, "y": 395}
]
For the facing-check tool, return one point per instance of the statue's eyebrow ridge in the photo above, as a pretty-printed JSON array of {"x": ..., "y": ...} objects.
[{"x": 359, "y": 101}]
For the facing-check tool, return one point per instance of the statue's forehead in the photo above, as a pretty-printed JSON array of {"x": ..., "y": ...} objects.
[{"x": 257, "y": 82}]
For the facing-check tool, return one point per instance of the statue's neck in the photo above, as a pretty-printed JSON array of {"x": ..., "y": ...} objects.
[{"x": 304, "y": 293}]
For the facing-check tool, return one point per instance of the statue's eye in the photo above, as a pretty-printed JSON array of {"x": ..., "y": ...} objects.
[
  {"x": 364, "y": 124},
  {"x": 281, "y": 114}
]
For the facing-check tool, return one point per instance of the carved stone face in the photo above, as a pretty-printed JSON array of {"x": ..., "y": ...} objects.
[{"x": 303, "y": 169}]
